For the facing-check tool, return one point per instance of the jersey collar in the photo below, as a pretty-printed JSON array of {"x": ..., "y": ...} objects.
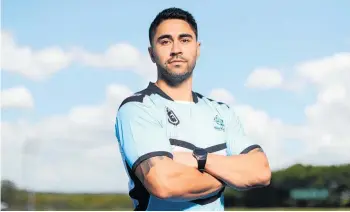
[{"x": 155, "y": 89}]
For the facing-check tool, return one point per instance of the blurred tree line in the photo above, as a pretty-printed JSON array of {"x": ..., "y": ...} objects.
[{"x": 334, "y": 179}]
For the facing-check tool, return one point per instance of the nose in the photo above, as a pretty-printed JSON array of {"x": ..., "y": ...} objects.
[{"x": 176, "y": 49}]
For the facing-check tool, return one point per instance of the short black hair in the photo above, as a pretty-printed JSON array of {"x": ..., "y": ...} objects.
[{"x": 172, "y": 13}]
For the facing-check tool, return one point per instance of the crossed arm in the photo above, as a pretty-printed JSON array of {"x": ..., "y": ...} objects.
[
  {"x": 173, "y": 178},
  {"x": 167, "y": 179},
  {"x": 179, "y": 179},
  {"x": 242, "y": 171}
]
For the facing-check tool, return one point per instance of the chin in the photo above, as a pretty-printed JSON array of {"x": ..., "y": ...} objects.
[
  {"x": 176, "y": 77},
  {"x": 178, "y": 71}
]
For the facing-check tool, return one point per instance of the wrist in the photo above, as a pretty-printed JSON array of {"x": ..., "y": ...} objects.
[
  {"x": 201, "y": 157},
  {"x": 185, "y": 158},
  {"x": 210, "y": 166},
  {"x": 211, "y": 159}
]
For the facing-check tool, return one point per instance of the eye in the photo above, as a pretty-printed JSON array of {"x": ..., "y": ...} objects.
[
  {"x": 185, "y": 40},
  {"x": 164, "y": 42}
]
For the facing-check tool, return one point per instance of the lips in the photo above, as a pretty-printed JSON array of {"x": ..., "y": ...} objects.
[{"x": 177, "y": 61}]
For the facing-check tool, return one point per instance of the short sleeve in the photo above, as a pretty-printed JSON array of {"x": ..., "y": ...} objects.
[
  {"x": 237, "y": 140},
  {"x": 140, "y": 134}
]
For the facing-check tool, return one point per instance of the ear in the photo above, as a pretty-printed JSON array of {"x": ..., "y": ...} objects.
[
  {"x": 198, "y": 49},
  {"x": 150, "y": 51}
]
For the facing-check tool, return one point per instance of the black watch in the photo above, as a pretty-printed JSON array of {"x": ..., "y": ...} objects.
[{"x": 201, "y": 157}]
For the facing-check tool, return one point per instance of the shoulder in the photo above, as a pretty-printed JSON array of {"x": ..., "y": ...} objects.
[
  {"x": 139, "y": 100},
  {"x": 138, "y": 104},
  {"x": 212, "y": 102},
  {"x": 136, "y": 98},
  {"x": 222, "y": 108}
]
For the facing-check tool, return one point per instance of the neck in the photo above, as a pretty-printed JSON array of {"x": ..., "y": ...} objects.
[{"x": 182, "y": 92}]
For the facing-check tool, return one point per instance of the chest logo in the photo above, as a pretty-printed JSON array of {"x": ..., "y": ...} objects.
[
  {"x": 172, "y": 118},
  {"x": 219, "y": 123}
]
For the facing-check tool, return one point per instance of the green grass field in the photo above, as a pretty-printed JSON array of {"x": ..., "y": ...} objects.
[
  {"x": 287, "y": 209},
  {"x": 271, "y": 209}
]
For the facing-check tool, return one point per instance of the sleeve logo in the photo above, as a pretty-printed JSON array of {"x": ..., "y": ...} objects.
[{"x": 219, "y": 123}]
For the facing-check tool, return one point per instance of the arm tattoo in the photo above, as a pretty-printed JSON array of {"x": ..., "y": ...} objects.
[
  {"x": 147, "y": 165},
  {"x": 260, "y": 150}
]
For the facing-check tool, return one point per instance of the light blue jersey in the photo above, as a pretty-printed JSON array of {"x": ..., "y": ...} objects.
[{"x": 150, "y": 123}]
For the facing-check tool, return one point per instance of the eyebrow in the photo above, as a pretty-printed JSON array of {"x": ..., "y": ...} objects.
[
  {"x": 184, "y": 35},
  {"x": 164, "y": 36}
]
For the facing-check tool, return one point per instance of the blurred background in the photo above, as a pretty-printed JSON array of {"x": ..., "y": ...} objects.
[{"x": 66, "y": 65}]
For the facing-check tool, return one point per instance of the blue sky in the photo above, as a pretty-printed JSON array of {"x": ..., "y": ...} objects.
[{"x": 237, "y": 38}]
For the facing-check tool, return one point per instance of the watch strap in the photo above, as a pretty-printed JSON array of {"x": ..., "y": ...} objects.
[{"x": 201, "y": 164}]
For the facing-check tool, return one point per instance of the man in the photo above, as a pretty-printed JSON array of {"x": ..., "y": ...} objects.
[{"x": 181, "y": 149}]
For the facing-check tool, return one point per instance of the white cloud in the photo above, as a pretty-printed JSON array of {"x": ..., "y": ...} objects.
[
  {"x": 116, "y": 56},
  {"x": 43, "y": 63},
  {"x": 324, "y": 134},
  {"x": 325, "y": 71},
  {"x": 267, "y": 131},
  {"x": 328, "y": 119},
  {"x": 95, "y": 169},
  {"x": 222, "y": 95},
  {"x": 264, "y": 78},
  {"x": 16, "y": 97},
  {"x": 79, "y": 148},
  {"x": 34, "y": 64},
  {"x": 120, "y": 56}
]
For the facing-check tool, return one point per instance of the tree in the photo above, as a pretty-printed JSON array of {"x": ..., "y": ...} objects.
[{"x": 8, "y": 192}]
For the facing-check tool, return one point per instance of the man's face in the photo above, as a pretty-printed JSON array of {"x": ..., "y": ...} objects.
[{"x": 175, "y": 50}]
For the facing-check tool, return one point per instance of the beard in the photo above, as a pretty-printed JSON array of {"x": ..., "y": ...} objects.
[{"x": 174, "y": 79}]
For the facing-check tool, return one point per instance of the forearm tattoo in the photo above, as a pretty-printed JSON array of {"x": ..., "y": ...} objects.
[
  {"x": 147, "y": 165},
  {"x": 260, "y": 150}
]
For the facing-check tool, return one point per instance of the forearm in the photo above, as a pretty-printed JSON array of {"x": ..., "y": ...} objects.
[
  {"x": 243, "y": 171},
  {"x": 167, "y": 179},
  {"x": 187, "y": 183}
]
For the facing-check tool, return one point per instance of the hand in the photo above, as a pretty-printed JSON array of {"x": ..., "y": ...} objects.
[{"x": 185, "y": 158}]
